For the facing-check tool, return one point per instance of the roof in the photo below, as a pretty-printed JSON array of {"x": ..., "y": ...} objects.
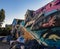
[{"x": 17, "y": 21}]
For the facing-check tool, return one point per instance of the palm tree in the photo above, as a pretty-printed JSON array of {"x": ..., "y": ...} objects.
[{"x": 2, "y": 16}]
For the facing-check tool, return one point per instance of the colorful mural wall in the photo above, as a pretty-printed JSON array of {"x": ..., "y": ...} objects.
[{"x": 44, "y": 24}]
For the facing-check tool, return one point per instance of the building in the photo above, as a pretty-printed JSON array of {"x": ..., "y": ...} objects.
[
  {"x": 44, "y": 24},
  {"x": 16, "y": 22}
]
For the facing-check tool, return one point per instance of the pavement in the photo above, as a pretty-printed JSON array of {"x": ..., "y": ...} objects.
[{"x": 4, "y": 45}]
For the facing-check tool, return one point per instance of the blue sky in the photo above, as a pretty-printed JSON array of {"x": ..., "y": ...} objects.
[{"x": 17, "y": 8}]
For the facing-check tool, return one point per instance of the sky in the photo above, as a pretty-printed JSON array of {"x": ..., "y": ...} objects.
[{"x": 17, "y": 8}]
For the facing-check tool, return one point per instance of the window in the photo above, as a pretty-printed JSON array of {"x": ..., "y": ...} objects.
[{"x": 50, "y": 5}]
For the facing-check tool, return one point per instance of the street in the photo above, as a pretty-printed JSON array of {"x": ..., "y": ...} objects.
[{"x": 4, "y": 45}]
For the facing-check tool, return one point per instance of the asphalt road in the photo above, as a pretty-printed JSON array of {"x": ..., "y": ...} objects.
[{"x": 4, "y": 45}]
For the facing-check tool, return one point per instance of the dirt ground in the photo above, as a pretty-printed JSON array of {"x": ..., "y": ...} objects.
[{"x": 4, "y": 45}]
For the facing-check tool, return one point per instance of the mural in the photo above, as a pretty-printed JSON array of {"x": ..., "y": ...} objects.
[{"x": 44, "y": 24}]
